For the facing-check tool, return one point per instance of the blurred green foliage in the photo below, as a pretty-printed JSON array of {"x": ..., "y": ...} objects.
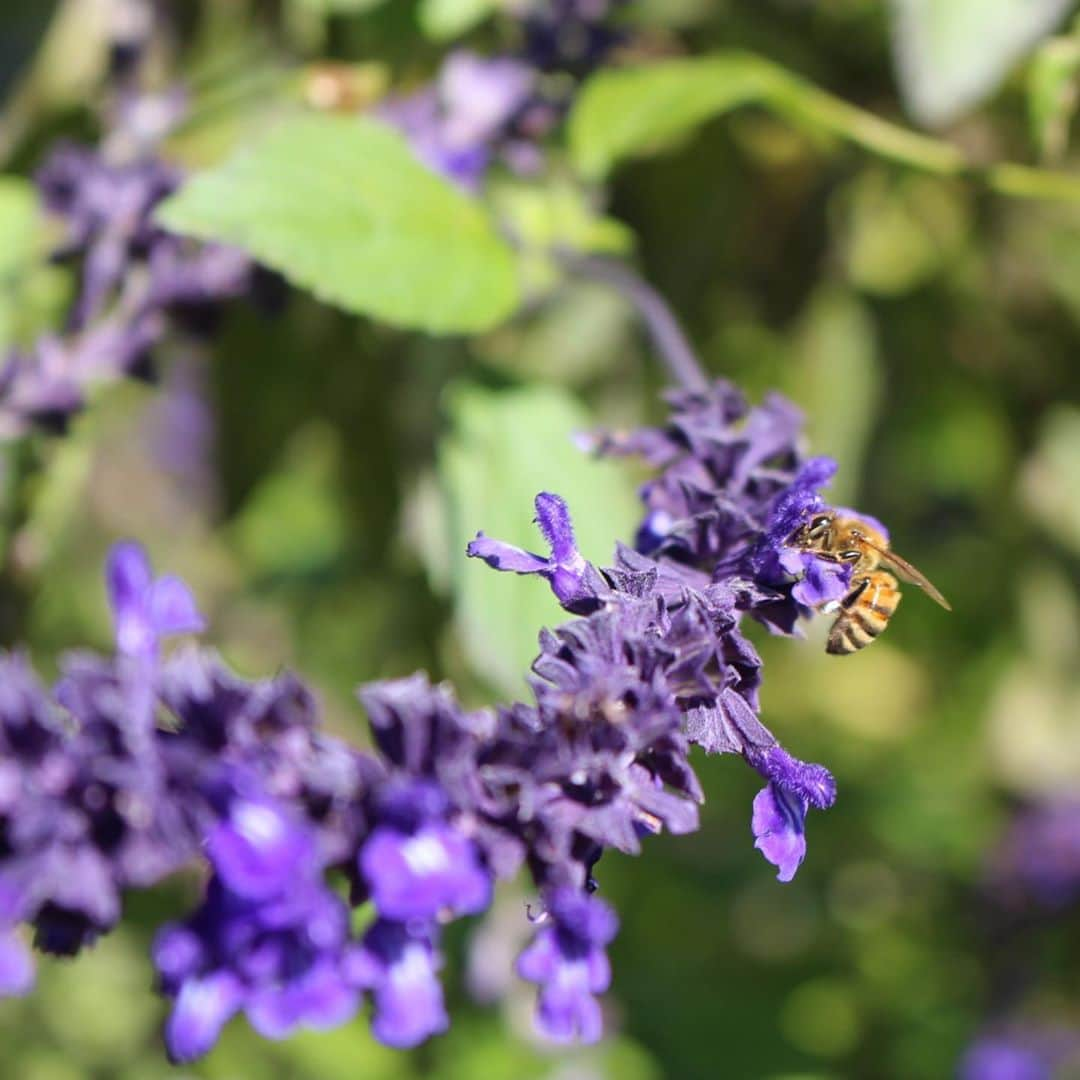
[{"x": 925, "y": 315}]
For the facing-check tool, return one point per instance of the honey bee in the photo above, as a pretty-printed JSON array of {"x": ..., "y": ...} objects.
[{"x": 874, "y": 594}]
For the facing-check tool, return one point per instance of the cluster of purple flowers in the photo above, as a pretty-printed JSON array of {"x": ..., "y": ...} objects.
[
  {"x": 136, "y": 283},
  {"x": 482, "y": 109},
  {"x": 135, "y": 765}
]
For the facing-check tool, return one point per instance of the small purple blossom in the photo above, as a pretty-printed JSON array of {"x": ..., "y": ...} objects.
[
  {"x": 568, "y": 962},
  {"x": 1035, "y": 867},
  {"x": 258, "y": 849},
  {"x": 416, "y": 864},
  {"x": 16, "y": 966},
  {"x": 482, "y": 110},
  {"x": 280, "y": 957},
  {"x": 145, "y": 608},
  {"x": 398, "y": 963},
  {"x": 1021, "y": 1052},
  {"x": 458, "y": 125},
  {"x": 573, "y": 581},
  {"x": 778, "y": 825}
]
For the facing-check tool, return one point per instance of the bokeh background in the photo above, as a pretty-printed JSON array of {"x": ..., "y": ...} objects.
[{"x": 315, "y": 476}]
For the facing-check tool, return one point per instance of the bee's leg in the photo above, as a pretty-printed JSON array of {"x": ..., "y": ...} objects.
[{"x": 848, "y": 601}]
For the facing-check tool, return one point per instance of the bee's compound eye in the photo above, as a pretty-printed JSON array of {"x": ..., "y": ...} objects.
[{"x": 851, "y": 556}]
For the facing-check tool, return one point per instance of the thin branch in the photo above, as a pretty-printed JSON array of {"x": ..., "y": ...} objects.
[{"x": 670, "y": 341}]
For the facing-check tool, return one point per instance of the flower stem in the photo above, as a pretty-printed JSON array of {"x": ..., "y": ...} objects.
[{"x": 664, "y": 329}]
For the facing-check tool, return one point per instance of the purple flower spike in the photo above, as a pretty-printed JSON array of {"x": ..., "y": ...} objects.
[
  {"x": 16, "y": 966},
  {"x": 568, "y": 961},
  {"x": 778, "y": 825},
  {"x": 146, "y": 609},
  {"x": 398, "y": 964},
  {"x": 418, "y": 876},
  {"x": 576, "y": 584}
]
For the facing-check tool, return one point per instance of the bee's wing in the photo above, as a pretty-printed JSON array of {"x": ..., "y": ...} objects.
[{"x": 916, "y": 577}]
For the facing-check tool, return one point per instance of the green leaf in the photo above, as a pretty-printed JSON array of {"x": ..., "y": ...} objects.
[
  {"x": 22, "y": 279},
  {"x": 950, "y": 54},
  {"x": 341, "y": 206},
  {"x": 554, "y": 216},
  {"x": 641, "y": 109},
  {"x": 447, "y": 19},
  {"x": 1053, "y": 87},
  {"x": 505, "y": 447}
]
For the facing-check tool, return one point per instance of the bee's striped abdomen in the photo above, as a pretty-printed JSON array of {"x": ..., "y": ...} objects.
[{"x": 865, "y": 612}]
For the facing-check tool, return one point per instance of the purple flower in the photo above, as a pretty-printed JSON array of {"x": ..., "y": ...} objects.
[
  {"x": 779, "y": 817},
  {"x": 145, "y": 608},
  {"x": 1021, "y": 1052},
  {"x": 778, "y": 826},
  {"x": 398, "y": 962},
  {"x": 996, "y": 1059},
  {"x": 574, "y": 582},
  {"x": 417, "y": 875},
  {"x": 572, "y": 36},
  {"x": 203, "y": 1007},
  {"x": 282, "y": 959},
  {"x": 479, "y": 96},
  {"x": 259, "y": 849},
  {"x": 83, "y": 810},
  {"x": 458, "y": 125},
  {"x": 16, "y": 966},
  {"x": 1035, "y": 867},
  {"x": 567, "y": 960},
  {"x": 135, "y": 282}
]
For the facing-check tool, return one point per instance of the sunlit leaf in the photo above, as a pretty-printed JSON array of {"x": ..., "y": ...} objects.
[
  {"x": 640, "y": 109},
  {"x": 341, "y": 206},
  {"x": 446, "y": 19},
  {"x": 18, "y": 241},
  {"x": 950, "y": 54},
  {"x": 551, "y": 217},
  {"x": 506, "y": 446}
]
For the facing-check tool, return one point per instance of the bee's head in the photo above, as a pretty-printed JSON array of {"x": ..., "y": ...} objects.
[{"x": 815, "y": 532}]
